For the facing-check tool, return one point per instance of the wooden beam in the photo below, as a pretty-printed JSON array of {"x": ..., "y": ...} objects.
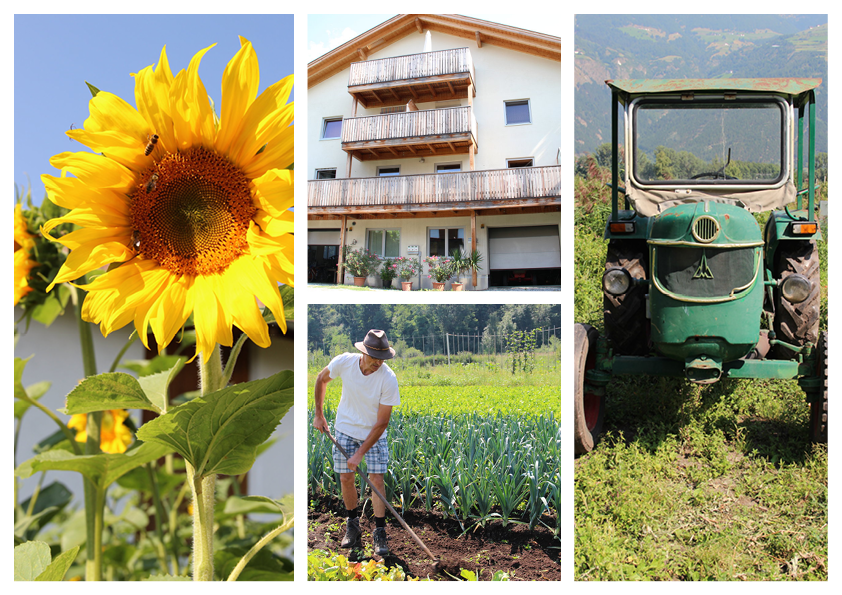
[
  {"x": 471, "y": 156},
  {"x": 392, "y": 91},
  {"x": 361, "y": 53},
  {"x": 432, "y": 91},
  {"x": 340, "y": 264},
  {"x": 418, "y": 25},
  {"x": 395, "y": 153},
  {"x": 432, "y": 150},
  {"x": 474, "y": 243},
  {"x": 452, "y": 91},
  {"x": 376, "y": 96},
  {"x": 348, "y": 162},
  {"x": 479, "y": 41}
]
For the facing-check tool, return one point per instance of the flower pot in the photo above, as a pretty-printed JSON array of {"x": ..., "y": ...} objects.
[
  {"x": 387, "y": 284},
  {"x": 406, "y": 285},
  {"x": 438, "y": 286},
  {"x": 457, "y": 286},
  {"x": 359, "y": 281}
]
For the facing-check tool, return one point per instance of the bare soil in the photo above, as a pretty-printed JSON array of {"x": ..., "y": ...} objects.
[{"x": 526, "y": 555}]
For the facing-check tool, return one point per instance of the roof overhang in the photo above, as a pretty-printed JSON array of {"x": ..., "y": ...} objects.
[{"x": 479, "y": 31}]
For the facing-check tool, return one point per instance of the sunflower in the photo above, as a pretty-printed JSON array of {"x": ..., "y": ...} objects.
[
  {"x": 190, "y": 210},
  {"x": 114, "y": 436},
  {"x": 24, "y": 242}
]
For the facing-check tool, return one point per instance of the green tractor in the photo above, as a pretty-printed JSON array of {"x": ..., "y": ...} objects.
[{"x": 693, "y": 287}]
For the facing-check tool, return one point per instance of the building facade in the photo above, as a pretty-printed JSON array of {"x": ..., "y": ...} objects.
[{"x": 435, "y": 133}]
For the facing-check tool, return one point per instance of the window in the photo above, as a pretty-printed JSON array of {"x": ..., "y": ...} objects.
[
  {"x": 326, "y": 174},
  {"x": 386, "y": 243},
  {"x": 442, "y": 168},
  {"x": 332, "y": 128},
  {"x": 388, "y": 171},
  {"x": 443, "y": 241},
  {"x": 518, "y": 112},
  {"x": 525, "y": 162}
]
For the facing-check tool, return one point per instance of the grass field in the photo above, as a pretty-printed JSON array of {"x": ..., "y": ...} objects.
[{"x": 691, "y": 483}]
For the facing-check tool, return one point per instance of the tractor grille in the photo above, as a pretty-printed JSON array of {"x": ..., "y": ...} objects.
[
  {"x": 705, "y": 229},
  {"x": 705, "y": 272}
]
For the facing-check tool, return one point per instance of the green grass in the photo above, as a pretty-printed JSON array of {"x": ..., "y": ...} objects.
[{"x": 697, "y": 483}]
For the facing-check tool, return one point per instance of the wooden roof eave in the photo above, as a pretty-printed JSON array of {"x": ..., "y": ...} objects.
[{"x": 377, "y": 38}]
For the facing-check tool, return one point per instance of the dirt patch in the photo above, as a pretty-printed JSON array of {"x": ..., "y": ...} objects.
[{"x": 525, "y": 554}]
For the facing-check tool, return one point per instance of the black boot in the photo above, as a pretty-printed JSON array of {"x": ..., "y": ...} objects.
[
  {"x": 352, "y": 534},
  {"x": 381, "y": 545}
]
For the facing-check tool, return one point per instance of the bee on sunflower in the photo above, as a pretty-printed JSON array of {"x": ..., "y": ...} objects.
[{"x": 196, "y": 222}]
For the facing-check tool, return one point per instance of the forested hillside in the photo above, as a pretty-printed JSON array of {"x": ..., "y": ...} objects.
[{"x": 691, "y": 46}]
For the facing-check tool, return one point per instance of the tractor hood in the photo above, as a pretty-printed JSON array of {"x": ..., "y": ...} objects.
[{"x": 713, "y": 224}]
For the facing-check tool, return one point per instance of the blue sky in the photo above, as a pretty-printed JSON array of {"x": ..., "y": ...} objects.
[
  {"x": 327, "y": 31},
  {"x": 56, "y": 54}
]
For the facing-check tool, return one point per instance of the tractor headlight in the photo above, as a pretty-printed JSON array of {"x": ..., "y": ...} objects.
[
  {"x": 796, "y": 288},
  {"x": 616, "y": 281}
]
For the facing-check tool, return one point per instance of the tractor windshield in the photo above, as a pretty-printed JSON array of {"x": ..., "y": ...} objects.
[{"x": 709, "y": 141}]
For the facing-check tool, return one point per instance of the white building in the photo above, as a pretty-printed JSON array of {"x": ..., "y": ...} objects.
[{"x": 431, "y": 133}]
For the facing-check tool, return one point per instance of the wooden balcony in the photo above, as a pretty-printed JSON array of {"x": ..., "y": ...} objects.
[
  {"x": 423, "y": 133},
  {"x": 522, "y": 187},
  {"x": 429, "y": 76}
]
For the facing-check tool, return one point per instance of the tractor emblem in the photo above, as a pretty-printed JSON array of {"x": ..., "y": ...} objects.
[{"x": 703, "y": 272}]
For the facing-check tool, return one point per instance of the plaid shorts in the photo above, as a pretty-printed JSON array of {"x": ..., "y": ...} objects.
[{"x": 376, "y": 459}]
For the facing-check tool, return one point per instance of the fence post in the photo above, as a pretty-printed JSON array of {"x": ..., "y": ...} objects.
[{"x": 447, "y": 341}]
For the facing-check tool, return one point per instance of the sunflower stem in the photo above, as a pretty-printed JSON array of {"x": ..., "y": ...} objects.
[
  {"x": 204, "y": 486},
  {"x": 94, "y": 501}
]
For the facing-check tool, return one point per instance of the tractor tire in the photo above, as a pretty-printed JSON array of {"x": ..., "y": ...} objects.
[
  {"x": 626, "y": 325},
  {"x": 797, "y": 323},
  {"x": 818, "y": 408},
  {"x": 588, "y": 408}
]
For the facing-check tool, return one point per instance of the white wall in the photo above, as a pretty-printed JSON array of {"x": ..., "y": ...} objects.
[{"x": 501, "y": 75}]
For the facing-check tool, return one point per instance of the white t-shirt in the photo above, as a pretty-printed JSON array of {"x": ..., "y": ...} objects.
[{"x": 361, "y": 395}]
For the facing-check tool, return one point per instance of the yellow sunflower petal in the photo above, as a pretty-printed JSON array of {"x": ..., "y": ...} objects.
[
  {"x": 212, "y": 321},
  {"x": 270, "y": 106},
  {"x": 115, "y": 129},
  {"x": 97, "y": 170},
  {"x": 240, "y": 83},
  {"x": 152, "y": 94},
  {"x": 192, "y": 113}
]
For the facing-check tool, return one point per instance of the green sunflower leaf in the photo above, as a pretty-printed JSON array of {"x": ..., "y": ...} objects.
[
  {"x": 31, "y": 559},
  {"x": 220, "y": 432},
  {"x": 102, "y": 469},
  {"x": 59, "y": 567},
  {"x": 112, "y": 390}
]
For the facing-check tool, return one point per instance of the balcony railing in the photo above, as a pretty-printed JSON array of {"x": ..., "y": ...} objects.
[
  {"x": 412, "y": 66},
  {"x": 445, "y": 131},
  {"x": 470, "y": 189},
  {"x": 428, "y": 76}
]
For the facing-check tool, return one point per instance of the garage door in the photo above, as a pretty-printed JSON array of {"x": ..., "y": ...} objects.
[
  {"x": 534, "y": 247},
  {"x": 323, "y": 237}
]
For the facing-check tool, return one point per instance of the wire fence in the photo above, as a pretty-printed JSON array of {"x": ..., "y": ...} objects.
[{"x": 448, "y": 348}]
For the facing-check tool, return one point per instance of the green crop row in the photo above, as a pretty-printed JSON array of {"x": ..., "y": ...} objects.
[
  {"x": 475, "y": 468},
  {"x": 465, "y": 400}
]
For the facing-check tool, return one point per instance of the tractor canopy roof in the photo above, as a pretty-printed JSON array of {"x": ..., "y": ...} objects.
[{"x": 794, "y": 87}]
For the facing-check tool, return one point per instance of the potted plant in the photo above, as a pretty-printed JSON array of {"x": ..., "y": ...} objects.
[
  {"x": 441, "y": 269},
  {"x": 406, "y": 268},
  {"x": 463, "y": 263},
  {"x": 360, "y": 264},
  {"x": 388, "y": 271}
]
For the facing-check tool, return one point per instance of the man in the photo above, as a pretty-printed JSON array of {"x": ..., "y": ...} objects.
[{"x": 369, "y": 391}]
